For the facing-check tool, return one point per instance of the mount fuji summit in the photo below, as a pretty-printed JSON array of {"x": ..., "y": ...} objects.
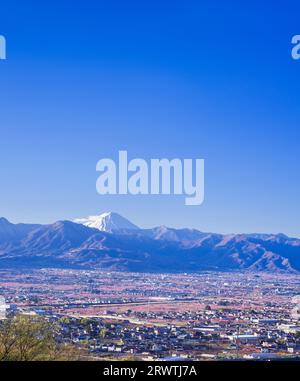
[{"x": 107, "y": 222}]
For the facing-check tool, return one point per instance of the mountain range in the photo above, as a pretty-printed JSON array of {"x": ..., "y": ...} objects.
[{"x": 111, "y": 242}]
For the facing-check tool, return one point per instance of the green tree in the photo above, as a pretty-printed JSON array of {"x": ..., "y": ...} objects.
[
  {"x": 102, "y": 334},
  {"x": 31, "y": 338}
]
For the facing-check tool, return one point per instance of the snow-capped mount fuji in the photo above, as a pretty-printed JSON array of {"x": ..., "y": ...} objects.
[
  {"x": 111, "y": 242},
  {"x": 107, "y": 222}
]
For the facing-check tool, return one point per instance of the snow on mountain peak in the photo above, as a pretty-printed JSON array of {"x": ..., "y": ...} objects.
[{"x": 107, "y": 222}]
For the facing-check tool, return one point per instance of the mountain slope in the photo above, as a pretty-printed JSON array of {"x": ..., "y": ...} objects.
[{"x": 12, "y": 232}]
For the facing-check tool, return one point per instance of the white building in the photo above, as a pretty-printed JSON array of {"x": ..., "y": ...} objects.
[
  {"x": 246, "y": 338},
  {"x": 289, "y": 328},
  {"x": 3, "y": 308}
]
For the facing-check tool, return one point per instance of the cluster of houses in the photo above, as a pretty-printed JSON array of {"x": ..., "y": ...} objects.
[{"x": 116, "y": 338}]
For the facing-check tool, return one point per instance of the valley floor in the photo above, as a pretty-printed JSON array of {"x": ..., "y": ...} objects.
[{"x": 207, "y": 315}]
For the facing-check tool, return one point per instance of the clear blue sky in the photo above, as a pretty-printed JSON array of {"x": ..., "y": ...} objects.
[{"x": 161, "y": 78}]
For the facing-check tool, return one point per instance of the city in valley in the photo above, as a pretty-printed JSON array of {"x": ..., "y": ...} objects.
[{"x": 146, "y": 316}]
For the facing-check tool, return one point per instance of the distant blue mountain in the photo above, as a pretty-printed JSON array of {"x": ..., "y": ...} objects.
[{"x": 127, "y": 248}]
